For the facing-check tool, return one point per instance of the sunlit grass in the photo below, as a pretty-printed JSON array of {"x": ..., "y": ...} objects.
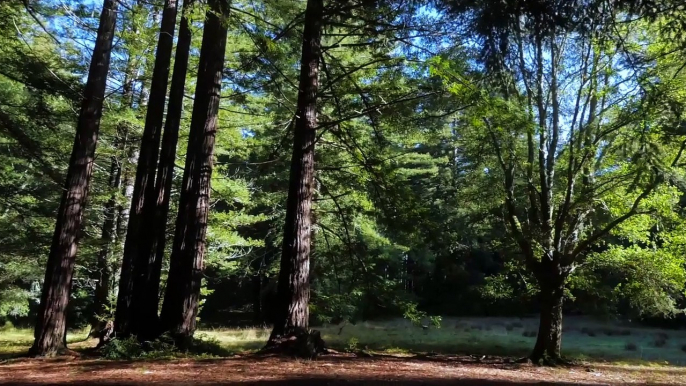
[
  {"x": 583, "y": 338},
  {"x": 17, "y": 341}
]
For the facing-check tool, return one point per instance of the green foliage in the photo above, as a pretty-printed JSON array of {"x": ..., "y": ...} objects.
[
  {"x": 202, "y": 346},
  {"x": 410, "y": 197}
]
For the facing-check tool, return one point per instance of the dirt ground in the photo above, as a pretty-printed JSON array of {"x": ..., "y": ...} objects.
[{"x": 339, "y": 369}]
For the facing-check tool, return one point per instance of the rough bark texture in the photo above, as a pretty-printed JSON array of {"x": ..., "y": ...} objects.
[
  {"x": 186, "y": 263},
  {"x": 549, "y": 339},
  {"x": 293, "y": 295},
  {"x": 51, "y": 318},
  {"x": 156, "y": 216},
  {"x": 136, "y": 314}
]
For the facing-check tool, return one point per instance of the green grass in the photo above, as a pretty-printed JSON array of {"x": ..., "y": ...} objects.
[
  {"x": 583, "y": 338},
  {"x": 16, "y": 341}
]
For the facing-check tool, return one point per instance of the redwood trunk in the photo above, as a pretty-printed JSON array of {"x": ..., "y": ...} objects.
[
  {"x": 50, "y": 330},
  {"x": 186, "y": 264},
  {"x": 293, "y": 293},
  {"x": 133, "y": 308},
  {"x": 156, "y": 217}
]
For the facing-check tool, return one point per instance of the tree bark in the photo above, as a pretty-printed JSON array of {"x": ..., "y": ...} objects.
[
  {"x": 50, "y": 329},
  {"x": 293, "y": 294},
  {"x": 186, "y": 263},
  {"x": 157, "y": 214},
  {"x": 133, "y": 307},
  {"x": 549, "y": 338}
]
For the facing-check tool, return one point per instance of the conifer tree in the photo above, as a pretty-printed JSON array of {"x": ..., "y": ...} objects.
[
  {"x": 51, "y": 322},
  {"x": 182, "y": 293}
]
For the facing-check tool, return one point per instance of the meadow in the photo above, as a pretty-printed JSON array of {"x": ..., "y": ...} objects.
[{"x": 583, "y": 338}]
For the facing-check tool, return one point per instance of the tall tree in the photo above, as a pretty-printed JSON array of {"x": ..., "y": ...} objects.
[
  {"x": 156, "y": 216},
  {"x": 568, "y": 143},
  {"x": 182, "y": 293},
  {"x": 51, "y": 322},
  {"x": 292, "y": 315},
  {"x": 136, "y": 305}
]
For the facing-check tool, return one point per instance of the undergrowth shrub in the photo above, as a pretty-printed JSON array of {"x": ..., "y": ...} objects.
[
  {"x": 127, "y": 348},
  {"x": 352, "y": 344},
  {"x": 163, "y": 347}
]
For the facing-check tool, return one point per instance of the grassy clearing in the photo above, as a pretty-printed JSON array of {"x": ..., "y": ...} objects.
[
  {"x": 583, "y": 338},
  {"x": 15, "y": 341}
]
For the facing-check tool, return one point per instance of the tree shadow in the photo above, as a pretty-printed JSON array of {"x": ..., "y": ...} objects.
[
  {"x": 277, "y": 370},
  {"x": 317, "y": 381}
]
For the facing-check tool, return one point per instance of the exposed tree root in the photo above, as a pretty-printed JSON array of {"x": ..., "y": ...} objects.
[
  {"x": 298, "y": 342},
  {"x": 546, "y": 360}
]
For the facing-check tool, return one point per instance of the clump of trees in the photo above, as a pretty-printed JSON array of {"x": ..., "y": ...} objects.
[{"x": 471, "y": 157}]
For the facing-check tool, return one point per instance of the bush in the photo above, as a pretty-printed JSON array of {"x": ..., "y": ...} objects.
[
  {"x": 630, "y": 346},
  {"x": 625, "y": 332},
  {"x": 204, "y": 345},
  {"x": 129, "y": 348},
  {"x": 517, "y": 325},
  {"x": 530, "y": 334},
  {"x": 163, "y": 347},
  {"x": 660, "y": 342},
  {"x": 588, "y": 331},
  {"x": 352, "y": 344},
  {"x": 683, "y": 348},
  {"x": 509, "y": 327}
]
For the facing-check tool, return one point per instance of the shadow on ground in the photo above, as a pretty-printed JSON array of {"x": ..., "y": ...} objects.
[
  {"x": 330, "y": 370},
  {"x": 317, "y": 381}
]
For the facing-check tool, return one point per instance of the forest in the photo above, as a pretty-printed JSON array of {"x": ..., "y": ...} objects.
[{"x": 343, "y": 179}]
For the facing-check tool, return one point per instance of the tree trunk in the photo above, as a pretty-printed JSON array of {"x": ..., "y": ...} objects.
[
  {"x": 134, "y": 290},
  {"x": 51, "y": 318},
  {"x": 108, "y": 236},
  {"x": 549, "y": 339},
  {"x": 258, "y": 317},
  {"x": 156, "y": 216},
  {"x": 186, "y": 263},
  {"x": 292, "y": 315}
]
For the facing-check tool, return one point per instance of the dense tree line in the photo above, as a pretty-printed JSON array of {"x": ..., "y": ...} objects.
[{"x": 482, "y": 158}]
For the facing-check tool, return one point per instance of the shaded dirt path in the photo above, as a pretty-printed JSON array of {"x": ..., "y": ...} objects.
[{"x": 329, "y": 370}]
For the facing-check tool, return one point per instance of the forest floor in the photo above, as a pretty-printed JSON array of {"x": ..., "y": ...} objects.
[
  {"x": 402, "y": 353},
  {"x": 337, "y": 369}
]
